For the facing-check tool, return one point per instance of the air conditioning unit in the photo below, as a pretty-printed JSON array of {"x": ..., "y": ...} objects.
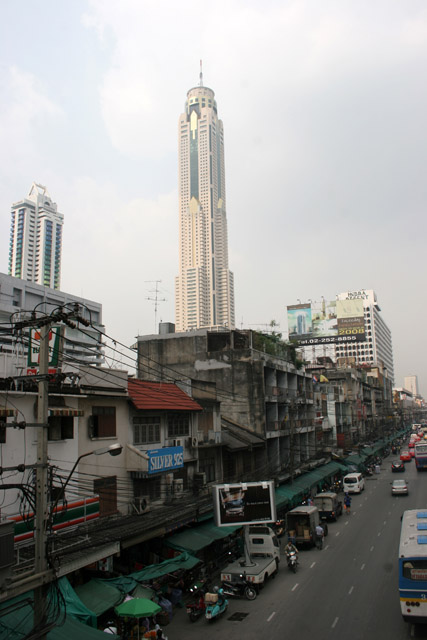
[
  {"x": 178, "y": 487},
  {"x": 177, "y": 443},
  {"x": 193, "y": 442},
  {"x": 140, "y": 504}
]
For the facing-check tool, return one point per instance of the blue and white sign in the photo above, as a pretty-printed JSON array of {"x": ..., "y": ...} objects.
[{"x": 165, "y": 459}]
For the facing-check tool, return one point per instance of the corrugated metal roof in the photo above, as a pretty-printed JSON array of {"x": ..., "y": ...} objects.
[{"x": 165, "y": 396}]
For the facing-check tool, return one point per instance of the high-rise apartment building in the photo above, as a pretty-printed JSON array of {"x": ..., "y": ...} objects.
[
  {"x": 377, "y": 348},
  {"x": 410, "y": 383},
  {"x": 204, "y": 288},
  {"x": 36, "y": 239}
]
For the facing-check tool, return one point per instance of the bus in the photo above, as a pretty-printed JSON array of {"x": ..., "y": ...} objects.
[
  {"x": 420, "y": 450},
  {"x": 413, "y": 566}
]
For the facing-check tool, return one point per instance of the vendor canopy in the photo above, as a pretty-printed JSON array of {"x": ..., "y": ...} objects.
[{"x": 17, "y": 622}]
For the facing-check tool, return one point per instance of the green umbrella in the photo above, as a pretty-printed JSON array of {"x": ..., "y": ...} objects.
[{"x": 137, "y": 608}]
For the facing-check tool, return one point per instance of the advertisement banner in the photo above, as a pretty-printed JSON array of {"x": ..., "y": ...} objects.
[
  {"x": 244, "y": 503},
  {"x": 55, "y": 350},
  {"x": 165, "y": 459},
  {"x": 326, "y": 322}
]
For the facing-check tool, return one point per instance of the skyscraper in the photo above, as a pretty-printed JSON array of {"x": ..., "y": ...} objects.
[
  {"x": 36, "y": 239},
  {"x": 204, "y": 288}
]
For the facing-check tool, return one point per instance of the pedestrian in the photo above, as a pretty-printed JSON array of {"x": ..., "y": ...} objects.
[
  {"x": 347, "y": 503},
  {"x": 319, "y": 536}
]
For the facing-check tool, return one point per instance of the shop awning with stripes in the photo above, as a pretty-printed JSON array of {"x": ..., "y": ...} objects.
[
  {"x": 65, "y": 411},
  {"x": 6, "y": 413}
]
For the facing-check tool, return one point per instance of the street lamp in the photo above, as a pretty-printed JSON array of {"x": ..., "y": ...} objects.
[{"x": 113, "y": 450}]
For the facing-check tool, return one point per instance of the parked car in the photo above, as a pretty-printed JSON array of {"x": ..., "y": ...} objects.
[
  {"x": 398, "y": 465},
  {"x": 399, "y": 488},
  {"x": 405, "y": 456}
]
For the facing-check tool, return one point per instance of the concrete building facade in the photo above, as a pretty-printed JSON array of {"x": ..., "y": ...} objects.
[
  {"x": 204, "y": 287},
  {"x": 36, "y": 239},
  {"x": 19, "y": 297},
  {"x": 377, "y": 348}
]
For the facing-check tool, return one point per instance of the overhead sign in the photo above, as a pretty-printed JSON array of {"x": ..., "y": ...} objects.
[
  {"x": 327, "y": 322},
  {"x": 165, "y": 459},
  {"x": 244, "y": 503}
]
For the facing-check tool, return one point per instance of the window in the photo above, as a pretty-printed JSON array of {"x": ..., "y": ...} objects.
[
  {"x": 178, "y": 424},
  {"x": 60, "y": 428},
  {"x": 3, "y": 434},
  {"x": 102, "y": 422},
  {"x": 146, "y": 430}
]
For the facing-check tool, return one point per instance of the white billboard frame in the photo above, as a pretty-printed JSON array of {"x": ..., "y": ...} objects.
[{"x": 244, "y": 503}]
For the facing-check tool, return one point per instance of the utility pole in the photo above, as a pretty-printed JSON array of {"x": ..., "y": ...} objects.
[{"x": 40, "y": 593}]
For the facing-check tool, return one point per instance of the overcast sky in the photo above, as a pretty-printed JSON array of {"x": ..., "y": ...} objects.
[{"x": 324, "y": 108}]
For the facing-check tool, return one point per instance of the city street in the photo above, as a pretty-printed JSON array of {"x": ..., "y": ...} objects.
[{"x": 348, "y": 590}]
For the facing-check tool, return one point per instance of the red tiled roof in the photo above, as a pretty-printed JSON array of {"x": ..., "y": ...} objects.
[{"x": 160, "y": 395}]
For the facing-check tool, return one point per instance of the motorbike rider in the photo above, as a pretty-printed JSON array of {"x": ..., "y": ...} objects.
[
  {"x": 221, "y": 596},
  {"x": 290, "y": 547}
]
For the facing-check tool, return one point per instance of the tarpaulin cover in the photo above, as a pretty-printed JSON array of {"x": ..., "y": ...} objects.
[
  {"x": 74, "y": 606},
  {"x": 183, "y": 561},
  {"x": 18, "y": 622},
  {"x": 98, "y": 596}
]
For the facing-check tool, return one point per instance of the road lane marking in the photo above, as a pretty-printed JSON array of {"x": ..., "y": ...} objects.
[
  {"x": 337, "y": 534},
  {"x": 312, "y": 565},
  {"x": 271, "y": 616},
  {"x": 334, "y": 623},
  {"x": 351, "y": 591},
  {"x": 362, "y": 567},
  {"x": 379, "y": 533},
  {"x": 327, "y": 547},
  {"x": 385, "y": 522},
  {"x": 295, "y": 586},
  {"x": 372, "y": 548},
  {"x": 346, "y": 523}
]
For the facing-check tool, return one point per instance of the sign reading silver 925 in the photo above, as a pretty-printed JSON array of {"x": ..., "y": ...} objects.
[{"x": 165, "y": 459}]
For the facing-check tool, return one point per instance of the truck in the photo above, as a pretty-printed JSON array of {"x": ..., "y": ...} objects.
[
  {"x": 301, "y": 525},
  {"x": 261, "y": 559},
  {"x": 328, "y": 504}
]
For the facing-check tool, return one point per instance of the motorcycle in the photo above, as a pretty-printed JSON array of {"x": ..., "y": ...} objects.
[
  {"x": 239, "y": 588},
  {"x": 292, "y": 560},
  {"x": 215, "y": 606},
  {"x": 196, "y": 609}
]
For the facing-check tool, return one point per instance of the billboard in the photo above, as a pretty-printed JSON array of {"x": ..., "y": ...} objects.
[
  {"x": 326, "y": 322},
  {"x": 244, "y": 503}
]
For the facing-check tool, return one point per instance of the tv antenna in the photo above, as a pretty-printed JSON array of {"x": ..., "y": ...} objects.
[{"x": 156, "y": 300}]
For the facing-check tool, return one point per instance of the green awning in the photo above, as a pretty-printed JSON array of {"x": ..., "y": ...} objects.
[
  {"x": 198, "y": 538},
  {"x": 18, "y": 623},
  {"x": 189, "y": 540},
  {"x": 98, "y": 596},
  {"x": 217, "y": 533}
]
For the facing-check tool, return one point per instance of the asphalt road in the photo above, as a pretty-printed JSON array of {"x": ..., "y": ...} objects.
[{"x": 348, "y": 590}]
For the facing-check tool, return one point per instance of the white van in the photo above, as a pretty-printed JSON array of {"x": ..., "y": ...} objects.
[{"x": 353, "y": 483}]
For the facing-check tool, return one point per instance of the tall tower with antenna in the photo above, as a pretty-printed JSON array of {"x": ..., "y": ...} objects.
[{"x": 204, "y": 287}]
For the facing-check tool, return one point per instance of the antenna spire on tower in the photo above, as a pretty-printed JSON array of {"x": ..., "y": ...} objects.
[{"x": 201, "y": 75}]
